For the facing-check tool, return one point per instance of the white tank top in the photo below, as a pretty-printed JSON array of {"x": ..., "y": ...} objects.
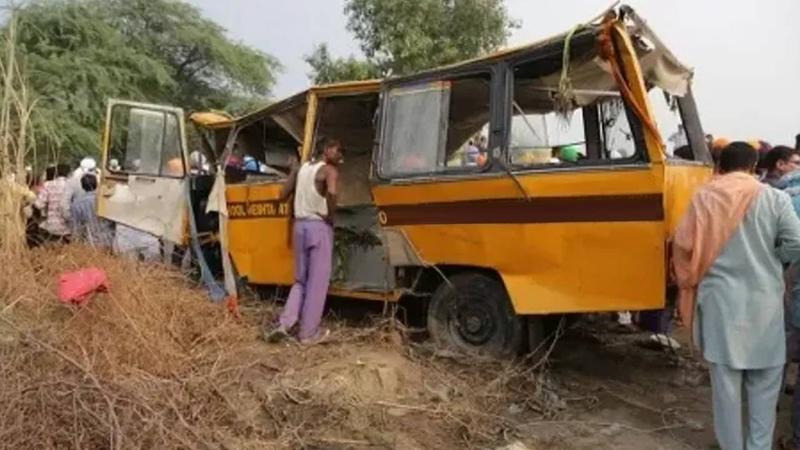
[{"x": 308, "y": 204}]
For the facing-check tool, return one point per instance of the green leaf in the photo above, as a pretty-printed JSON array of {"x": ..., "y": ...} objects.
[
  {"x": 79, "y": 53},
  {"x": 399, "y": 37}
]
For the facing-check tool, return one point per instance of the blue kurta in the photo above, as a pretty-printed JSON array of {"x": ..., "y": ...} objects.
[{"x": 740, "y": 300}]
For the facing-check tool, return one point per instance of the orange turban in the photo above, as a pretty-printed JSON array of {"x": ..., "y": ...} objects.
[{"x": 720, "y": 143}]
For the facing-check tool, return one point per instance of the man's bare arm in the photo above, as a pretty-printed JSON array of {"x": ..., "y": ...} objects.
[
  {"x": 331, "y": 184},
  {"x": 289, "y": 185}
]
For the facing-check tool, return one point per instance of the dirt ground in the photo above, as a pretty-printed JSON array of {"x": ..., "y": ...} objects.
[
  {"x": 609, "y": 389},
  {"x": 152, "y": 364},
  {"x": 603, "y": 389}
]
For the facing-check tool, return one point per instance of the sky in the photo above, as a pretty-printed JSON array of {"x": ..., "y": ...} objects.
[{"x": 744, "y": 52}]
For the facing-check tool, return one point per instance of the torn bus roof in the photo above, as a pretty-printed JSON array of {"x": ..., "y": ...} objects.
[
  {"x": 587, "y": 71},
  {"x": 218, "y": 120}
]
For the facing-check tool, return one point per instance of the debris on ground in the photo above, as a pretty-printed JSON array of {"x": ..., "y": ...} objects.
[
  {"x": 151, "y": 364},
  {"x": 76, "y": 287}
]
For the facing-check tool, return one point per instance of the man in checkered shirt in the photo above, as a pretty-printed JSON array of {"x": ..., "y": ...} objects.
[{"x": 49, "y": 201}]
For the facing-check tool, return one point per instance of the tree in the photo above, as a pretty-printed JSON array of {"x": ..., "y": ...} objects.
[
  {"x": 79, "y": 53},
  {"x": 404, "y": 36},
  {"x": 326, "y": 69}
]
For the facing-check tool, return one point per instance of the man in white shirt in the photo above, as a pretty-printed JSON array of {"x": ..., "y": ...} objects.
[
  {"x": 73, "y": 186},
  {"x": 313, "y": 187}
]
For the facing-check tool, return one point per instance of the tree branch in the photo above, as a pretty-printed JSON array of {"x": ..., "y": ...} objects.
[{"x": 191, "y": 58}]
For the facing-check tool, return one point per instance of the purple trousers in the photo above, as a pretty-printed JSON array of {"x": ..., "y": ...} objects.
[{"x": 313, "y": 257}]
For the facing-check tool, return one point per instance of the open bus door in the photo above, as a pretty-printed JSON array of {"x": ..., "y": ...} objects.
[{"x": 144, "y": 169}]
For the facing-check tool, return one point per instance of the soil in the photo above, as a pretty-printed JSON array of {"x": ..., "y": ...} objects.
[
  {"x": 605, "y": 390},
  {"x": 174, "y": 371}
]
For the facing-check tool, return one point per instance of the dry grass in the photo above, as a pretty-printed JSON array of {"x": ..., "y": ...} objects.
[
  {"x": 153, "y": 364},
  {"x": 16, "y": 140},
  {"x": 138, "y": 368}
]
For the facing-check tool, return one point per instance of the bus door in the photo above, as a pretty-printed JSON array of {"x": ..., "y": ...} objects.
[{"x": 144, "y": 169}]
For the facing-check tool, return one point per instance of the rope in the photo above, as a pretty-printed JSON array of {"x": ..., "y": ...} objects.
[{"x": 565, "y": 98}]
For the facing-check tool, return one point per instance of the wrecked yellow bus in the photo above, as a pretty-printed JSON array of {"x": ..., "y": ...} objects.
[{"x": 537, "y": 181}]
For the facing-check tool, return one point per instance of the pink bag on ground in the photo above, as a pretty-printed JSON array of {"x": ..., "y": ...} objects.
[{"x": 75, "y": 287}]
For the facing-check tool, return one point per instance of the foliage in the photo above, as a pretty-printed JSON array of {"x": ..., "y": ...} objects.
[
  {"x": 345, "y": 240},
  {"x": 79, "y": 53},
  {"x": 327, "y": 69},
  {"x": 399, "y": 37}
]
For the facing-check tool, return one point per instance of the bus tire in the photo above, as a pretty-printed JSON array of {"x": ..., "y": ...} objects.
[{"x": 473, "y": 314}]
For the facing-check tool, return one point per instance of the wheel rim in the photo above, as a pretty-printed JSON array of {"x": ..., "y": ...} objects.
[{"x": 473, "y": 322}]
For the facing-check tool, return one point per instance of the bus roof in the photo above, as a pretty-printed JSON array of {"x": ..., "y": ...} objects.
[{"x": 661, "y": 67}]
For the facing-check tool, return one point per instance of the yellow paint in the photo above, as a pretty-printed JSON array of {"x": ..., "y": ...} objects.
[
  {"x": 552, "y": 267},
  {"x": 680, "y": 181},
  {"x": 211, "y": 119},
  {"x": 106, "y": 185},
  {"x": 564, "y": 267},
  {"x": 260, "y": 247},
  {"x": 546, "y": 268},
  {"x": 635, "y": 81},
  {"x": 347, "y": 88},
  {"x": 602, "y": 181},
  {"x": 311, "y": 123}
]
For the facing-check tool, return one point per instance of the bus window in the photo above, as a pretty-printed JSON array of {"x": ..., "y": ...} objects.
[
  {"x": 144, "y": 142},
  {"x": 547, "y": 138},
  {"x": 616, "y": 135},
  {"x": 436, "y": 127},
  {"x": 592, "y": 128},
  {"x": 670, "y": 124}
]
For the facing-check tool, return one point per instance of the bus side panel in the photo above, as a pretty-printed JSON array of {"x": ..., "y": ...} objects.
[
  {"x": 258, "y": 232},
  {"x": 557, "y": 267},
  {"x": 680, "y": 181},
  {"x": 568, "y": 249}
]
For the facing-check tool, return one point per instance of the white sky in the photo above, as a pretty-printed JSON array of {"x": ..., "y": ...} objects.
[{"x": 746, "y": 53}]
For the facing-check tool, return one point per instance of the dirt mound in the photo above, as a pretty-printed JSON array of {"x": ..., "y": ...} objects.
[{"x": 152, "y": 364}]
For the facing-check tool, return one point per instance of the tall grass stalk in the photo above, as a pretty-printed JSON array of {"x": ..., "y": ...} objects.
[{"x": 16, "y": 140}]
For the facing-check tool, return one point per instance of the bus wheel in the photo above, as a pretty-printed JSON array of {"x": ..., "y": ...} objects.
[{"x": 473, "y": 314}]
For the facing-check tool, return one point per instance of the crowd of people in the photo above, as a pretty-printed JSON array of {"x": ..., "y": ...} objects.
[
  {"x": 64, "y": 206},
  {"x": 736, "y": 253},
  {"x": 61, "y": 207}
]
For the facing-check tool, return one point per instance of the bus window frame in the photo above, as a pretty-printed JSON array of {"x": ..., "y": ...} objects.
[
  {"x": 640, "y": 157},
  {"x": 690, "y": 118},
  {"x": 181, "y": 133},
  {"x": 496, "y": 93}
]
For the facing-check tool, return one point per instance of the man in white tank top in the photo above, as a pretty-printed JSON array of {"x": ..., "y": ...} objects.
[{"x": 313, "y": 188}]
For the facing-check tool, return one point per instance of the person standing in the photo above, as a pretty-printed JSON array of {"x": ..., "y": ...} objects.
[
  {"x": 778, "y": 162},
  {"x": 87, "y": 166},
  {"x": 790, "y": 184},
  {"x": 728, "y": 252},
  {"x": 313, "y": 187},
  {"x": 86, "y": 226},
  {"x": 49, "y": 201}
]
